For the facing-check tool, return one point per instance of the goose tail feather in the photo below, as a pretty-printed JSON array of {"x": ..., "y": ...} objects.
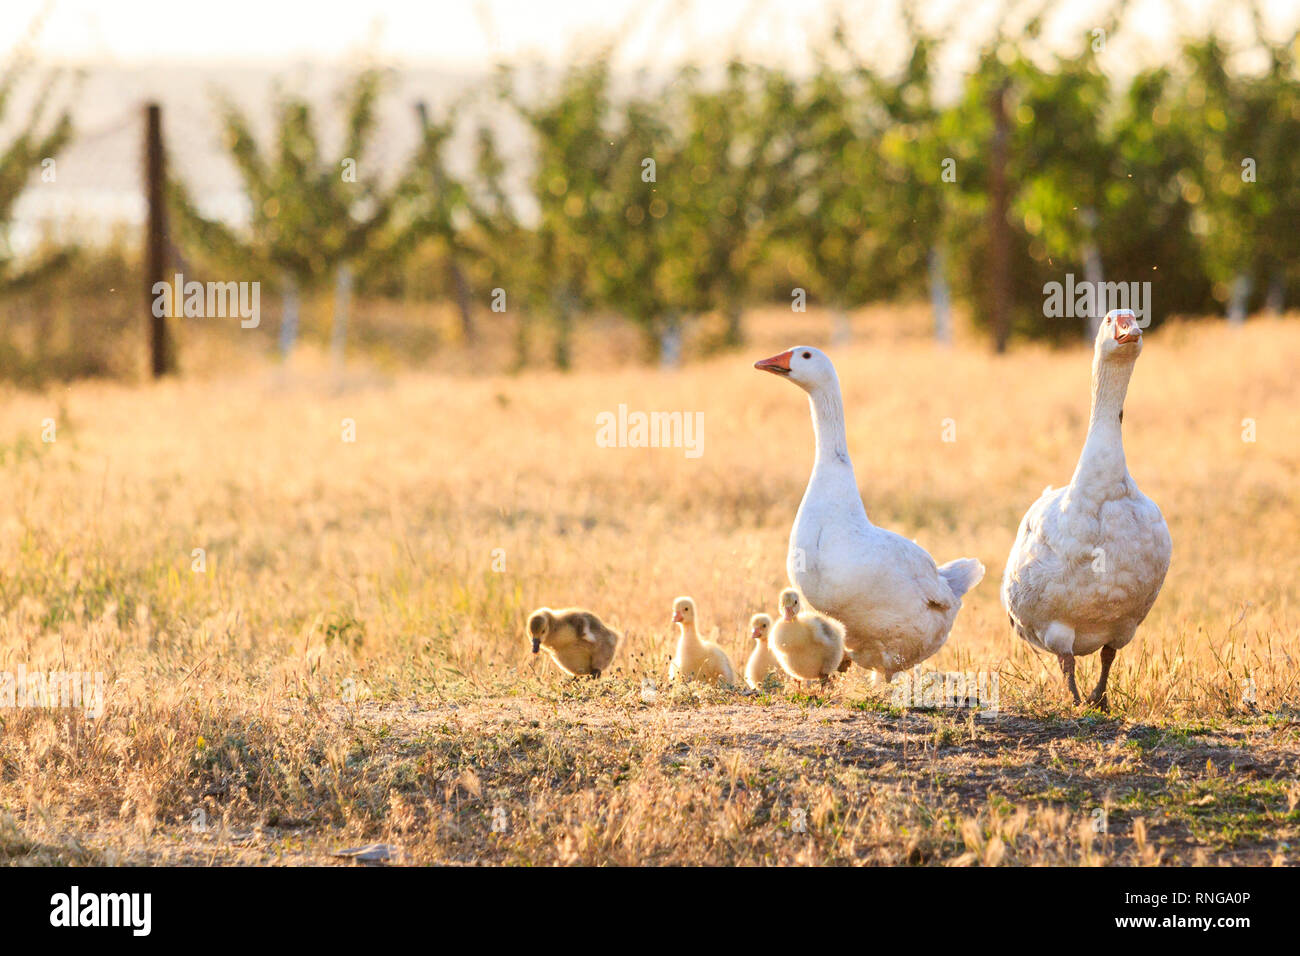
[{"x": 962, "y": 575}]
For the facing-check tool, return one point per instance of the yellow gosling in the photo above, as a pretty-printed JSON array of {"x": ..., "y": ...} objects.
[{"x": 695, "y": 657}]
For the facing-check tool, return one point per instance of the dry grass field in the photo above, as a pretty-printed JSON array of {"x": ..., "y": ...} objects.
[{"x": 349, "y": 666}]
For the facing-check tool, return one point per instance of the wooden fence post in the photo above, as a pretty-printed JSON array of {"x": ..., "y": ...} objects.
[{"x": 161, "y": 357}]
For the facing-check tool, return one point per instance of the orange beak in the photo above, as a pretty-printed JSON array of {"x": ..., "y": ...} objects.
[
  {"x": 777, "y": 364},
  {"x": 1126, "y": 327},
  {"x": 677, "y": 617}
]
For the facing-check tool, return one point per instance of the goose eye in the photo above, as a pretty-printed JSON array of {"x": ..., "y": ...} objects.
[{"x": 807, "y": 355}]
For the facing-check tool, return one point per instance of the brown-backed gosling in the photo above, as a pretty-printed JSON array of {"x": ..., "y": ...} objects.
[{"x": 577, "y": 640}]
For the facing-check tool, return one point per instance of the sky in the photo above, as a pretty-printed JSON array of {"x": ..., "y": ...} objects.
[{"x": 470, "y": 33}]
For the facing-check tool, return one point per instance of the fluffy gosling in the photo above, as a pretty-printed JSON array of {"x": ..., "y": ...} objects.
[
  {"x": 809, "y": 646},
  {"x": 761, "y": 659},
  {"x": 696, "y": 657},
  {"x": 577, "y": 640}
]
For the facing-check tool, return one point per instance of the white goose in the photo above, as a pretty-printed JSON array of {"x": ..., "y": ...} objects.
[
  {"x": 897, "y": 607},
  {"x": 1090, "y": 558}
]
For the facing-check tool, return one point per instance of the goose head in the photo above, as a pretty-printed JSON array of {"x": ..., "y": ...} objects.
[
  {"x": 1120, "y": 336},
  {"x": 789, "y": 604},
  {"x": 684, "y": 611},
  {"x": 807, "y": 367},
  {"x": 539, "y": 625},
  {"x": 758, "y": 626}
]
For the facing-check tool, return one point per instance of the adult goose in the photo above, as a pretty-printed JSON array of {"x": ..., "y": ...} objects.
[
  {"x": 896, "y": 606},
  {"x": 1090, "y": 558}
]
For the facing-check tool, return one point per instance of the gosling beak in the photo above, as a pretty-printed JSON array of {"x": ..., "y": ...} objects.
[
  {"x": 788, "y": 613},
  {"x": 1126, "y": 327},
  {"x": 677, "y": 617},
  {"x": 537, "y": 644},
  {"x": 777, "y": 364},
  {"x": 757, "y": 634}
]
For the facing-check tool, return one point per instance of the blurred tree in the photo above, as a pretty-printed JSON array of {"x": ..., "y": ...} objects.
[
  {"x": 831, "y": 217},
  {"x": 1058, "y": 159},
  {"x": 1244, "y": 185},
  {"x": 918, "y": 171},
  {"x": 730, "y": 181},
  {"x": 1151, "y": 198},
  {"x": 502, "y": 241},
  {"x": 574, "y": 157},
  {"x": 642, "y": 266},
  {"x": 431, "y": 205},
  {"x": 39, "y": 138},
  {"x": 308, "y": 216}
]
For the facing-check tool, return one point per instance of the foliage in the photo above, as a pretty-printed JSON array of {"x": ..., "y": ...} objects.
[
  {"x": 41, "y": 135},
  {"x": 668, "y": 198},
  {"x": 307, "y": 214}
]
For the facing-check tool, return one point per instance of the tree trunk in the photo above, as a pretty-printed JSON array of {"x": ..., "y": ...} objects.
[
  {"x": 939, "y": 296},
  {"x": 563, "y": 349},
  {"x": 1275, "y": 301},
  {"x": 734, "y": 335},
  {"x": 342, "y": 304},
  {"x": 999, "y": 231},
  {"x": 521, "y": 344},
  {"x": 289, "y": 318},
  {"x": 670, "y": 342},
  {"x": 1239, "y": 299},
  {"x": 1093, "y": 273},
  {"x": 460, "y": 287},
  {"x": 841, "y": 327}
]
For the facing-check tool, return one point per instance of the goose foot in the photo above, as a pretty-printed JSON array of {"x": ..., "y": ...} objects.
[
  {"x": 1067, "y": 668},
  {"x": 1098, "y": 697}
]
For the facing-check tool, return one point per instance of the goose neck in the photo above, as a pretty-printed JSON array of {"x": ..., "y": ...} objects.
[
  {"x": 828, "y": 425},
  {"x": 1102, "y": 460}
]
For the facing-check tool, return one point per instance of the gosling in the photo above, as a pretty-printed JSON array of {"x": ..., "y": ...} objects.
[
  {"x": 577, "y": 640},
  {"x": 809, "y": 646},
  {"x": 761, "y": 660},
  {"x": 696, "y": 657}
]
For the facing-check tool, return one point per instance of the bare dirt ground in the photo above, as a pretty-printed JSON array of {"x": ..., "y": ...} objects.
[{"x": 606, "y": 777}]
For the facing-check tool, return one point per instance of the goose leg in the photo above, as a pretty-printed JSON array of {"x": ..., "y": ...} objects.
[
  {"x": 1067, "y": 668},
  {"x": 1098, "y": 698}
]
